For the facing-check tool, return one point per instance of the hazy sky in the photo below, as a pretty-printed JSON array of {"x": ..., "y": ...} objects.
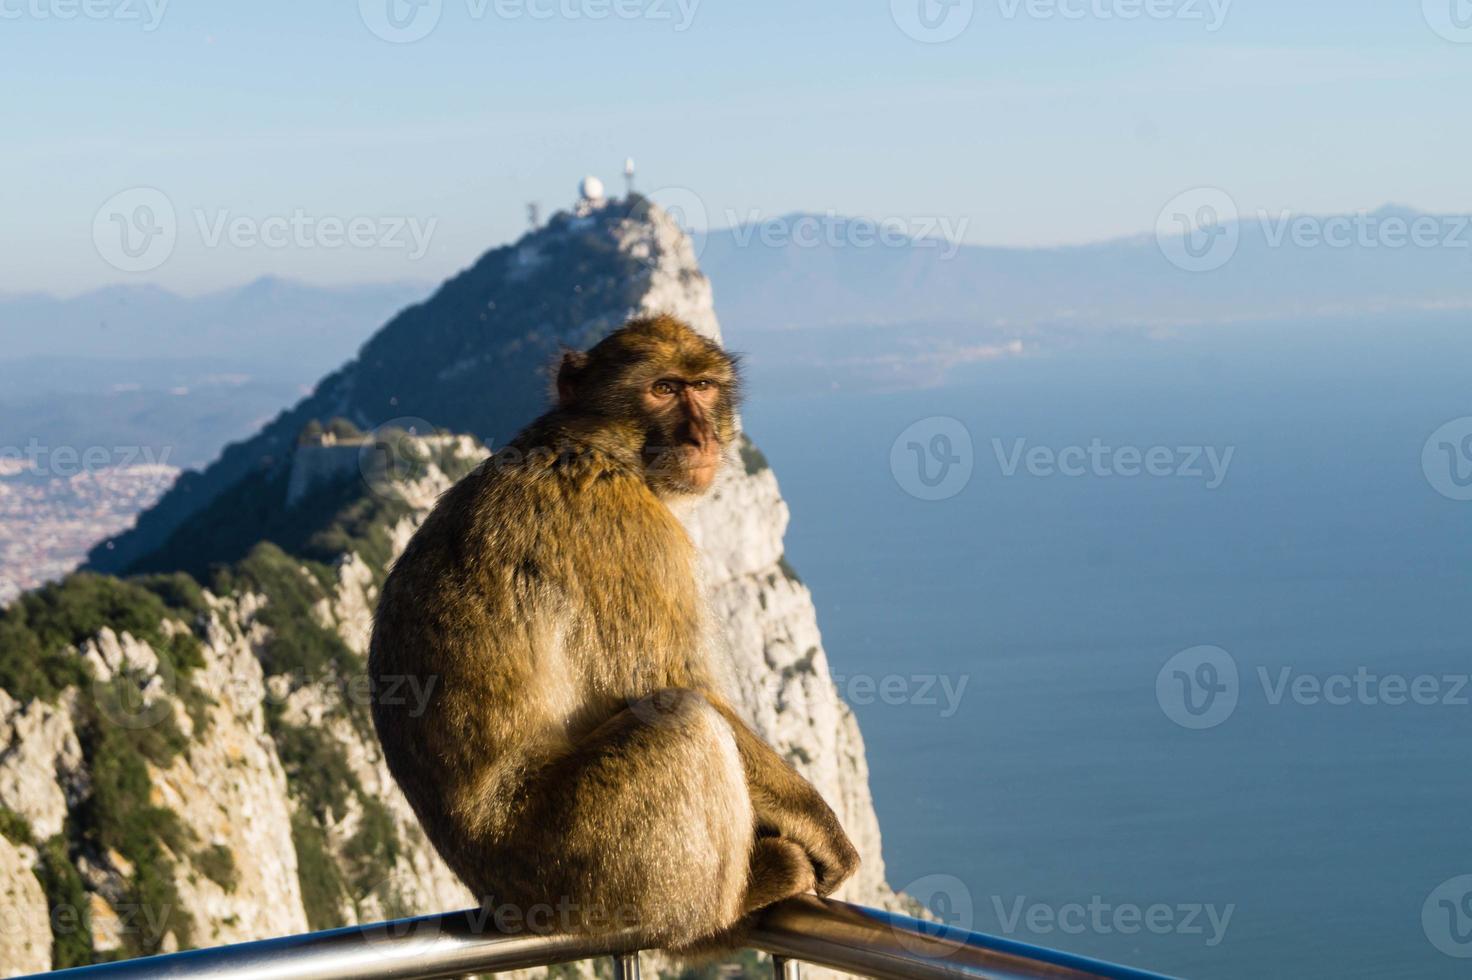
[{"x": 269, "y": 127}]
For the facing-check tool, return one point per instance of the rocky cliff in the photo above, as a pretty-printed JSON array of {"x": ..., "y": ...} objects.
[{"x": 192, "y": 765}]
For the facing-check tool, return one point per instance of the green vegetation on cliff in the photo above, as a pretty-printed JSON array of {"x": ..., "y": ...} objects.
[
  {"x": 39, "y": 629},
  {"x": 66, "y": 899},
  {"x": 120, "y": 734},
  {"x": 126, "y": 735},
  {"x": 296, "y": 575}
]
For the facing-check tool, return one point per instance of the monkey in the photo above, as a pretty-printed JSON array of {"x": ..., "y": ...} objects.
[{"x": 576, "y": 751}]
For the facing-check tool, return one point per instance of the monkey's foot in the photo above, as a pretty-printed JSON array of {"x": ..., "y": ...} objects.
[{"x": 780, "y": 868}]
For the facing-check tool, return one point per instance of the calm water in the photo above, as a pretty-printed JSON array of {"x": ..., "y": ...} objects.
[{"x": 1055, "y": 801}]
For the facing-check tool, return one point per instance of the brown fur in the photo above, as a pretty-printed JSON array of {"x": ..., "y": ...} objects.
[{"x": 575, "y": 752}]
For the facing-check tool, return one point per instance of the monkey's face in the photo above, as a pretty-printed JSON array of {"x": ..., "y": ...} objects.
[
  {"x": 666, "y": 392},
  {"x": 683, "y": 444}
]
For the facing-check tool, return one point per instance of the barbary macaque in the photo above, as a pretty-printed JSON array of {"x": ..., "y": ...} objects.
[{"x": 576, "y": 751}]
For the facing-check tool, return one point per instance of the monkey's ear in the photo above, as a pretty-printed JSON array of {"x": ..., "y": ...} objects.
[{"x": 569, "y": 373}]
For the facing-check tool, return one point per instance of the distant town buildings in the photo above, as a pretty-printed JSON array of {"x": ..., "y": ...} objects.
[{"x": 47, "y": 522}]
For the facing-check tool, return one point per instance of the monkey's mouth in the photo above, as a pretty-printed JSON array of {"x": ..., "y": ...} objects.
[
  {"x": 692, "y": 465},
  {"x": 681, "y": 457},
  {"x": 702, "y": 468}
]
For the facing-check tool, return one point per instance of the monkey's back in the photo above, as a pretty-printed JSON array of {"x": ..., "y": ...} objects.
[{"x": 507, "y": 606}]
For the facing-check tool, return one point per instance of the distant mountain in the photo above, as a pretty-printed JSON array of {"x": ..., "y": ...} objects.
[
  {"x": 911, "y": 312},
  {"x": 274, "y": 327},
  {"x": 138, "y": 366},
  {"x": 184, "y": 424},
  {"x": 840, "y": 276}
]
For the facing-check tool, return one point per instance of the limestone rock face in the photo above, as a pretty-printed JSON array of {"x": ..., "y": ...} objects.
[
  {"x": 40, "y": 763},
  {"x": 768, "y": 626},
  {"x": 230, "y": 791},
  {"x": 25, "y": 941},
  {"x": 776, "y": 665}
]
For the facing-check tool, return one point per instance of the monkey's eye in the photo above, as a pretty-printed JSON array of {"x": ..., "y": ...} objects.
[
  {"x": 664, "y": 389},
  {"x": 704, "y": 384}
]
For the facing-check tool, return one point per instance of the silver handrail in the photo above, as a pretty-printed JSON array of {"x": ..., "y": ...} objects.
[
  {"x": 888, "y": 946},
  {"x": 844, "y": 937}
]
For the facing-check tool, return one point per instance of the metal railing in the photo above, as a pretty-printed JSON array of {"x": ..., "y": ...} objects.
[{"x": 849, "y": 938}]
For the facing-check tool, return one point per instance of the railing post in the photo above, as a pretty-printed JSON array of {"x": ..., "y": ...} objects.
[
  {"x": 785, "y": 969},
  {"x": 626, "y": 966}
]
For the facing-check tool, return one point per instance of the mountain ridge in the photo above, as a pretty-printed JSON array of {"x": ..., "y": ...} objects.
[
  {"x": 1123, "y": 281},
  {"x": 251, "y": 322}
]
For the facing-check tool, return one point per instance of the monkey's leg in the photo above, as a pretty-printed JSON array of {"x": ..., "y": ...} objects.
[
  {"x": 780, "y": 869},
  {"x": 647, "y": 822},
  {"x": 788, "y": 807}
]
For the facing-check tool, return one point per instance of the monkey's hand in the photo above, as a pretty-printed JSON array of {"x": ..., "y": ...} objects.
[{"x": 801, "y": 815}]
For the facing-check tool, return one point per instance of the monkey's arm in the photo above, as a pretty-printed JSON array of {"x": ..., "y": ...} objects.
[{"x": 788, "y": 806}]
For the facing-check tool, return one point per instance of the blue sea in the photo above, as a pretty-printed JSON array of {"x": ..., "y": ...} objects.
[{"x": 1213, "y": 730}]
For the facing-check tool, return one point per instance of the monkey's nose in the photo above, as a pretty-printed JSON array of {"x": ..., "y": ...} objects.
[{"x": 697, "y": 436}]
